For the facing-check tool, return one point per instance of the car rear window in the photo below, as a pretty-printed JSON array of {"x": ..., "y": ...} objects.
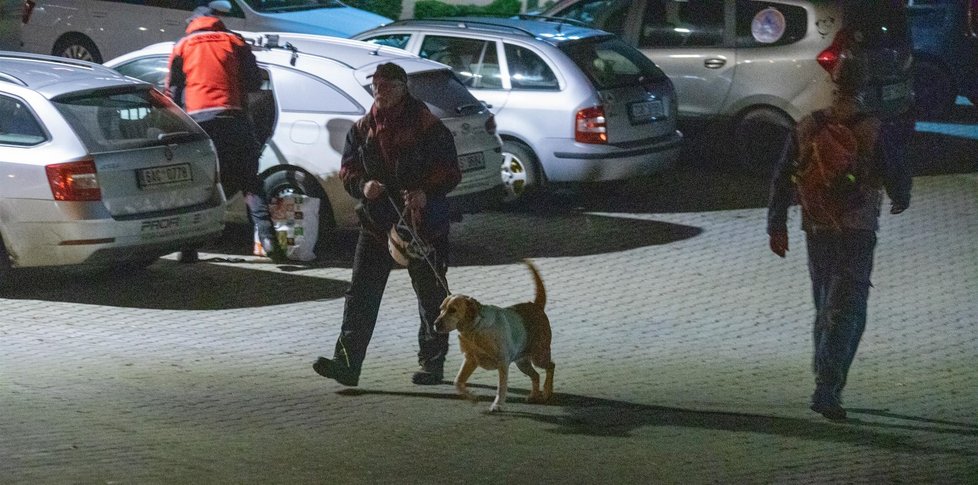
[
  {"x": 18, "y": 126},
  {"x": 124, "y": 119},
  {"x": 444, "y": 94},
  {"x": 610, "y": 63}
]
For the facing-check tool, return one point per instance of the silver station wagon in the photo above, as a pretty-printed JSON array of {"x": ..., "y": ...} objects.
[
  {"x": 97, "y": 168},
  {"x": 573, "y": 104}
]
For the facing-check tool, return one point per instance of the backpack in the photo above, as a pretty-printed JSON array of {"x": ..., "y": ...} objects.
[{"x": 831, "y": 180}]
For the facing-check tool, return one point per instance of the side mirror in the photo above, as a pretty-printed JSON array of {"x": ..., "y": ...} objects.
[{"x": 222, "y": 6}]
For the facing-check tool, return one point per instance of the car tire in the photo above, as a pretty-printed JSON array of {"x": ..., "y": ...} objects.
[
  {"x": 759, "y": 138},
  {"x": 520, "y": 172},
  {"x": 77, "y": 47},
  {"x": 285, "y": 182},
  {"x": 934, "y": 90}
]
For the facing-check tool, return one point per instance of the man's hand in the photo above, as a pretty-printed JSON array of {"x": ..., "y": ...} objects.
[
  {"x": 779, "y": 242},
  {"x": 372, "y": 189},
  {"x": 415, "y": 200}
]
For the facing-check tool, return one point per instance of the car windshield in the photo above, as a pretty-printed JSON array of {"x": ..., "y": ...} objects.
[
  {"x": 273, "y": 6},
  {"x": 444, "y": 94},
  {"x": 128, "y": 118},
  {"x": 879, "y": 27},
  {"x": 610, "y": 63}
]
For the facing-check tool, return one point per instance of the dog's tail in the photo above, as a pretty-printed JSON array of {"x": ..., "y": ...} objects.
[{"x": 541, "y": 297}]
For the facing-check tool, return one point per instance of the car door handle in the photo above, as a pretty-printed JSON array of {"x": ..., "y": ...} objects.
[{"x": 714, "y": 63}]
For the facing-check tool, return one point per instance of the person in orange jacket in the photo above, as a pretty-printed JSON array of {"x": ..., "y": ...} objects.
[{"x": 211, "y": 72}]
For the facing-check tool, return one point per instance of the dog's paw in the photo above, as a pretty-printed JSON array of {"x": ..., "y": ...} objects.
[
  {"x": 535, "y": 398},
  {"x": 496, "y": 408}
]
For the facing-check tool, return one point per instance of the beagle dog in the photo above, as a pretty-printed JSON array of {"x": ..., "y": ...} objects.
[{"x": 492, "y": 337}]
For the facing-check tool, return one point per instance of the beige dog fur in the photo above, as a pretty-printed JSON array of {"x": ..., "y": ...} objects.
[{"x": 493, "y": 337}]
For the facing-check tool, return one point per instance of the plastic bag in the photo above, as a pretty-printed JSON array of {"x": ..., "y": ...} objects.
[{"x": 296, "y": 221}]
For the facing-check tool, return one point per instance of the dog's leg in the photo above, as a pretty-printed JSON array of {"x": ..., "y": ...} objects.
[
  {"x": 548, "y": 384},
  {"x": 468, "y": 367},
  {"x": 497, "y": 405},
  {"x": 527, "y": 368}
]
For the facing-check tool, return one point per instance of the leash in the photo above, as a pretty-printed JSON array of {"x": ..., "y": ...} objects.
[{"x": 417, "y": 243}]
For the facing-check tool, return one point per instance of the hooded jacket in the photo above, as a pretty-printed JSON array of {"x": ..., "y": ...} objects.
[{"x": 211, "y": 70}]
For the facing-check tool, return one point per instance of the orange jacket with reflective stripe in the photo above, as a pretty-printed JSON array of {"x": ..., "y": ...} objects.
[{"x": 211, "y": 69}]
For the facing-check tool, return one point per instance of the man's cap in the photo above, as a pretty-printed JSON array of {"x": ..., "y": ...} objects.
[{"x": 391, "y": 71}]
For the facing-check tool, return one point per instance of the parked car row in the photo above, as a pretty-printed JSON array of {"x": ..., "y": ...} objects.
[{"x": 320, "y": 86}]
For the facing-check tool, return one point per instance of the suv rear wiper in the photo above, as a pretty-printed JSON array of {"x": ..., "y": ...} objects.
[{"x": 176, "y": 136}]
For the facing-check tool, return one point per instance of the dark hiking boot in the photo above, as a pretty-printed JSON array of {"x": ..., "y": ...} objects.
[
  {"x": 831, "y": 411},
  {"x": 428, "y": 375},
  {"x": 332, "y": 369}
]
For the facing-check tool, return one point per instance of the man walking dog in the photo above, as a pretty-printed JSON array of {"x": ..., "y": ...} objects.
[{"x": 399, "y": 160}]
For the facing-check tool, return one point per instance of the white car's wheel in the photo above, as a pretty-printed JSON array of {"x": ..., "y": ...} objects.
[{"x": 520, "y": 172}]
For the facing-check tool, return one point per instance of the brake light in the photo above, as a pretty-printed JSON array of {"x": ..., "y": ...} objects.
[
  {"x": 74, "y": 181},
  {"x": 591, "y": 126},
  {"x": 491, "y": 125},
  {"x": 26, "y": 10},
  {"x": 829, "y": 58}
]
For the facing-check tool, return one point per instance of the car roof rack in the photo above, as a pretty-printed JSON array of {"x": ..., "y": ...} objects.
[
  {"x": 55, "y": 59},
  {"x": 557, "y": 20},
  {"x": 464, "y": 23},
  {"x": 12, "y": 79}
]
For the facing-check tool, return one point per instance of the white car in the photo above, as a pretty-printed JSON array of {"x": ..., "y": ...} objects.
[
  {"x": 97, "y": 168},
  {"x": 320, "y": 87},
  {"x": 95, "y": 30}
]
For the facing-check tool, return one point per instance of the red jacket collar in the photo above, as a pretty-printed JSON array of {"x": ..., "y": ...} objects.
[{"x": 205, "y": 22}]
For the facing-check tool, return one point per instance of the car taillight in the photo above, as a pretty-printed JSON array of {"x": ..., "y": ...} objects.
[
  {"x": 829, "y": 58},
  {"x": 74, "y": 181},
  {"x": 26, "y": 10},
  {"x": 491, "y": 125},
  {"x": 591, "y": 126}
]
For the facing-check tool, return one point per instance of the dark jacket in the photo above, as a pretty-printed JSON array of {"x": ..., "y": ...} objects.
[
  {"x": 212, "y": 70},
  {"x": 418, "y": 153}
]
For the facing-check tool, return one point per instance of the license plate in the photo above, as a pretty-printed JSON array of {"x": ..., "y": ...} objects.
[
  {"x": 472, "y": 161},
  {"x": 644, "y": 111},
  {"x": 894, "y": 91},
  {"x": 170, "y": 174}
]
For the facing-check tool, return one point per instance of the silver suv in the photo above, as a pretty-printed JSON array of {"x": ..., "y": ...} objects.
[
  {"x": 573, "y": 104},
  {"x": 758, "y": 65},
  {"x": 98, "y": 168}
]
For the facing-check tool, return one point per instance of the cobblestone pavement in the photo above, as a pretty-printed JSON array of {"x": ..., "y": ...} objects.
[{"x": 682, "y": 347}]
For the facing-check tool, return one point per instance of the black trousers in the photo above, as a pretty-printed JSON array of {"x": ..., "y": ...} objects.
[
  {"x": 238, "y": 153},
  {"x": 372, "y": 265}
]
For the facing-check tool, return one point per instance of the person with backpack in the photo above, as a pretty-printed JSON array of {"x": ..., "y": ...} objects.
[{"x": 836, "y": 169}]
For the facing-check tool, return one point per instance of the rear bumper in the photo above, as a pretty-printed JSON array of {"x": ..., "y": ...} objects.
[
  {"x": 576, "y": 162},
  {"x": 474, "y": 202},
  {"x": 37, "y": 233}
]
